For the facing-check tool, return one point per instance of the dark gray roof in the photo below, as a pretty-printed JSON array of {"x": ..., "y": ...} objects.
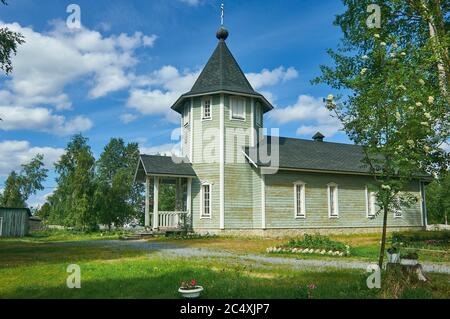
[
  {"x": 222, "y": 73},
  {"x": 163, "y": 165},
  {"x": 315, "y": 155}
]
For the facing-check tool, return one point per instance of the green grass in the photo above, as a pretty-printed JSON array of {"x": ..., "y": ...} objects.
[{"x": 37, "y": 269}]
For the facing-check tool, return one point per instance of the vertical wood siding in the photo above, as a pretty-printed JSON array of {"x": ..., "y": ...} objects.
[
  {"x": 14, "y": 222},
  {"x": 351, "y": 202}
]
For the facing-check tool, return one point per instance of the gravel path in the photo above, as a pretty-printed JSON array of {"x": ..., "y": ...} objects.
[{"x": 175, "y": 250}]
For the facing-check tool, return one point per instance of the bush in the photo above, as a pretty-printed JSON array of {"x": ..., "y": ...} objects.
[
  {"x": 317, "y": 242},
  {"x": 313, "y": 244},
  {"x": 421, "y": 235}
]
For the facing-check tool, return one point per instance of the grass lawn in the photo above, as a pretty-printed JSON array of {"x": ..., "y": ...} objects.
[
  {"x": 365, "y": 247},
  {"x": 36, "y": 268}
]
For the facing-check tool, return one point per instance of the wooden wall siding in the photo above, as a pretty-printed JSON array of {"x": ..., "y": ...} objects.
[
  {"x": 206, "y": 173},
  {"x": 352, "y": 202},
  {"x": 239, "y": 183},
  {"x": 15, "y": 222},
  {"x": 202, "y": 144}
]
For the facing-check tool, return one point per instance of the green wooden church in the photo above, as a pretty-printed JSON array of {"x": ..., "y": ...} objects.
[{"x": 232, "y": 178}]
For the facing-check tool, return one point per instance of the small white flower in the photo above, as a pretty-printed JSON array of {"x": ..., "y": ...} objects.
[
  {"x": 386, "y": 187},
  {"x": 397, "y": 116},
  {"x": 422, "y": 82},
  {"x": 376, "y": 35},
  {"x": 431, "y": 99},
  {"x": 410, "y": 143},
  {"x": 341, "y": 254},
  {"x": 424, "y": 123},
  {"x": 428, "y": 116},
  {"x": 402, "y": 53},
  {"x": 363, "y": 71},
  {"x": 401, "y": 86},
  {"x": 411, "y": 108},
  {"x": 395, "y": 45},
  {"x": 426, "y": 148},
  {"x": 392, "y": 55},
  {"x": 365, "y": 57},
  {"x": 383, "y": 44},
  {"x": 419, "y": 104}
]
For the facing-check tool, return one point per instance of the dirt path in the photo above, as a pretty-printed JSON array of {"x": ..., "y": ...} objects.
[{"x": 174, "y": 250}]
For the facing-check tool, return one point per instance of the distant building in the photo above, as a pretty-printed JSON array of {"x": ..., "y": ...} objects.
[{"x": 14, "y": 222}]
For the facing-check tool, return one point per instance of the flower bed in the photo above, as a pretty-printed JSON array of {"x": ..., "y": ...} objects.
[{"x": 313, "y": 244}]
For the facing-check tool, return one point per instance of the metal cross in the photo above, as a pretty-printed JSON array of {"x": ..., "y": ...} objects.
[{"x": 222, "y": 14}]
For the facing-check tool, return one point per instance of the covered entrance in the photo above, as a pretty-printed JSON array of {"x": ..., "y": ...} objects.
[{"x": 166, "y": 179}]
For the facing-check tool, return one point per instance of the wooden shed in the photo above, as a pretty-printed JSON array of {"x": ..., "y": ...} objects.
[{"x": 14, "y": 222}]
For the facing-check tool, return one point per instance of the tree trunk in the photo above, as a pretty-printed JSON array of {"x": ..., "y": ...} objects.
[
  {"x": 383, "y": 238},
  {"x": 434, "y": 20}
]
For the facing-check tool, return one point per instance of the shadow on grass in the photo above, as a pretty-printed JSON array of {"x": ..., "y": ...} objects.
[{"x": 217, "y": 284}]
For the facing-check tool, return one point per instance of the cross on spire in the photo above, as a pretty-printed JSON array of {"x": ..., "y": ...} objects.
[{"x": 222, "y": 7}]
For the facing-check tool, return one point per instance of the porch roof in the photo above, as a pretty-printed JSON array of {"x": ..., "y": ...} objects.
[{"x": 158, "y": 165}]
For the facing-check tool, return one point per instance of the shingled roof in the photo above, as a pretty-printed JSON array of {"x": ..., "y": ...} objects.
[
  {"x": 315, "y": 155},
  {"x": 222, "y": 74},
  {"x": 162, "y": 165}
]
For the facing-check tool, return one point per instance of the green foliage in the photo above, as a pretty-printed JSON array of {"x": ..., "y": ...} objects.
[
  {"x": 72, "y": 202},
  {"x": 438, "y": 200},
  {"x": 19, "y": 187},
  {"x": 9, "y": 40},
  {"x": 118, "y": 200},
  {"x": 410, "y": 255},
  {"x": 317, "y": 242},
  {"x": 397, "y": 103},
  {"x": 421, "y": 235}
]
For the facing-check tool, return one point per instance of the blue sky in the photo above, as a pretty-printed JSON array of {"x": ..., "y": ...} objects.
[{"x": 117, "y": 76}]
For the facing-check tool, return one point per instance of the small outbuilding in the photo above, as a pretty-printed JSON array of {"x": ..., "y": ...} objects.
[{"x": 14, "y": 222}]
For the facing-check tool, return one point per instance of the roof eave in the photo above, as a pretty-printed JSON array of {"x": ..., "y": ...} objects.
[{"x": 267, "y": 104}]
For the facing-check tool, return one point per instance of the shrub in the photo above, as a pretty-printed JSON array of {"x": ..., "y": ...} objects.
[
  {"x": 422, "y": 235},
  {"x": 410, "y": 255},
  {"x": 313, "y": 244}
]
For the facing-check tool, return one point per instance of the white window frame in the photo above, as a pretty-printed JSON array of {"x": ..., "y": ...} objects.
[
  {"x": 203, "y": 118},
  {"x": 370, "y": 203},
  {"x": 1, "y": 226},
  {"x": 302, "y": 214},
  {"x": 233, "y": 98},
  {"x": 335, "y": 200},
  {"x": 202, "y": 201},
  {"x": 186, "y": 114},
  {"x": 258, "y": 114}
]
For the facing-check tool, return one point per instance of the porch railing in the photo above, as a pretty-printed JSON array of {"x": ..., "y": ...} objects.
[{"x": 174, "y": 219}]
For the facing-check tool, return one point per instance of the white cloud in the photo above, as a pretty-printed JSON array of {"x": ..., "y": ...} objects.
[
  {"x": 15, "y": 153},
  {"x": 47, "y": 62},
  {"x": 41, "y": 119},
  {"x": 269, "y": 78},
  {"x": 128, "y": 118},
  {"x": 192, "y": 3},
  {"x": 308, "y": 109},
  {"x": 154, "y": 94},
  {"x": 163, "y": 149}
]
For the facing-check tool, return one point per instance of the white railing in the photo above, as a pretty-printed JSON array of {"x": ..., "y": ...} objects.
[{"x": 171, "y": 219}]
